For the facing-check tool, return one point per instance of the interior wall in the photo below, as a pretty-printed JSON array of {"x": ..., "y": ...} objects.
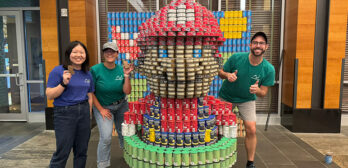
[
  {"x": 335, "y": 53},
  {"x": 49, "y": 37}
]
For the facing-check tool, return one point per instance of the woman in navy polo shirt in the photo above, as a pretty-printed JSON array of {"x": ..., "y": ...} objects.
[{"x": 71, "y": 86}]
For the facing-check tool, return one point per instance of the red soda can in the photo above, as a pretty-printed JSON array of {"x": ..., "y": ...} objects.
[
  {"x": 164, "y": 114},
  {"x": 218, "y": 119},
  {"x": 118, "y": 36},
  {"x": 179, "y": 126},
  {"x": 193, "y": 116},
  {"x": 163, "y": 103},
  {"x": 126, "y": 43},
  {"x": 171, "y": 114},
  {"x": 225, "y": 119},
  {"x": 136, "y": 107},
  {"x": 121, "y": 43},
  {"x": 142, "y": 108},
  {"x": 178, "y": 114},
  {"x": 170, "y": 103},
  {"x": 140, "y": 119},
  {"x": 194, "y": 125},
  {"x": 194, "y": 103},
  {"x": 126, "y": 117},
  {"x": 164, "y": 125},
  {"x": 131, "y": 107},
  {"x": 186, "y": 104},
  {"x": 187, "y": 112},
  {"x": 171, "y": 126},
  {"x": 132, "y": 118},
  {"x": 187, "y": 126},
  {"x": 178, "y": 103}
]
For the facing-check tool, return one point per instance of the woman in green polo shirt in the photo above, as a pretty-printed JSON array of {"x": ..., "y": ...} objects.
[{"x": 111, "y": 86}]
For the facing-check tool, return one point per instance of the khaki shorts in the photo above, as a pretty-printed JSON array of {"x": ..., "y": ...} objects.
[{"x": 246, "y": 110}]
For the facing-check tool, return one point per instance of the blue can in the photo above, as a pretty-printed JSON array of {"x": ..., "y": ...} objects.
[
  {"x": 164, "y": 139},
  {"x": 328, "y": 158},
  {"x": 121, "y": 15},
  {"x": 117, "y": 15}
]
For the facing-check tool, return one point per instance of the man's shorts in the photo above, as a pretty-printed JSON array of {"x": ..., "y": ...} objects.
[{"x": 247, "y": 110}]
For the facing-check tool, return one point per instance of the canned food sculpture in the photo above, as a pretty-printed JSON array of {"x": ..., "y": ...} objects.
[
  {"x": 179, "y": 47},
  {"x": 178, "y": 124}
]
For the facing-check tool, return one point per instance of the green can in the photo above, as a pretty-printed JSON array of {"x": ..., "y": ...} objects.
[
  {"x": 160, "y": 157},
  {"x": 223, "y": 163},
  {"x": 202, "y": 157},
  {"x": 210, "y": 156},
  {"x": 216, "y": 165},
  {"x": 177, "y": 158},
  {"x": 146, "y": 164},
  {"x": 216, "y": 156},
  {"x": 210, "y": 165},
  {"x": 134, "y": 152},
  {"x": 196, "y": 166},
  {"x": 194, "y": 158},
  {"x": 153, "y": 156},
  {"x": 168, "y": 158},
  {"x": 234, "y": 158},
  {"x": 222, "y": 153},
  {"x": 140, "y": 152},
  {"x": 140, "y": 163},
  {"x": 134, "y": 162},
  {"x": 185, "y": 158},
  {"x": 153, "y": 165},
  {"x": 201, "y": 166},
  {"x": 147, "y": 154}
]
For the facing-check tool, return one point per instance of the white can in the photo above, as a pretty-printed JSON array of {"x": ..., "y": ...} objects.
[
  {"x": 125, "y": 129},
  {"x": 122, "y": 36},
  {"x": 233, "y": 131},
  {"x": 131, "y": 43},
  {"x": 126, "y": 36},
  {"x": 226, "y": 132},
  {"x": 135, "y": 35},
  {"x": 118, "y": 29},
  {"x": 190, "y": 10},
  {"x": 181, "y": 19},
  {"x": 171, "y": 11},
  {"x": 181, "y": 11},
  {"x": 190, "y": 14},
  {"x": 172, "y": 19}
]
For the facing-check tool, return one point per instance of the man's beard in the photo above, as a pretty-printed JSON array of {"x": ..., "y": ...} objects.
[{"x": 253, "y": 52}]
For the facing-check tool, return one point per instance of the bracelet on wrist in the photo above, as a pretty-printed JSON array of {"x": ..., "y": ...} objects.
[
  {"x": 126, "y": 75},
  {"x": 62, "y": 84}
]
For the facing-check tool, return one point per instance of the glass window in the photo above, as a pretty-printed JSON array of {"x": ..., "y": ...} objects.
[
  {"x": 36, "y": 97},
  {"x": 19, "y": 3},
  {"x": 33, "y": 45}
]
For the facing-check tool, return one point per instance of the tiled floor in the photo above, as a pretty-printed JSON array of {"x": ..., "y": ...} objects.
[{"x": 277, "y": 148}]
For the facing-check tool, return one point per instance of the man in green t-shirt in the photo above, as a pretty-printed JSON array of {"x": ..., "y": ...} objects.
[{"x": 248, "y": 75}]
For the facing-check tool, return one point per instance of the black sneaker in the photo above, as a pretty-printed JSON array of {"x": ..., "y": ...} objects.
[{"x": 251, "y": 166}]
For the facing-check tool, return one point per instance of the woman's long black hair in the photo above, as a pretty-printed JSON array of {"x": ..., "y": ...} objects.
[{"x": 71, "y": 46}]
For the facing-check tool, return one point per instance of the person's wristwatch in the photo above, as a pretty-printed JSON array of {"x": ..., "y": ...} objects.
[{"x": 62, "y": 84}]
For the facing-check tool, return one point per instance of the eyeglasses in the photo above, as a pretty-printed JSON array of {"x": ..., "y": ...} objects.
[{"x": 261, "y": 43}]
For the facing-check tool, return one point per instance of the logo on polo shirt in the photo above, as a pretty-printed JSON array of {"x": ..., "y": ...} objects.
[
  {"x": 87, "y": 81},
  {"x": 119, "y": 77},
  {"x": 256, "y": 77}
]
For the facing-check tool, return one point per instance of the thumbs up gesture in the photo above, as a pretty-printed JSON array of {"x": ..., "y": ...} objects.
[
  {"x": 232, "y": 76},
  {"x": 254, "y": 88}
]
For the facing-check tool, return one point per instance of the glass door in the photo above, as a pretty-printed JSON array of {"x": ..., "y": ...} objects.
[{"x": 12, "y": 68}]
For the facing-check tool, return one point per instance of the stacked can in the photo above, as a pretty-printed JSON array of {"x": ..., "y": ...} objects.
[{"x": 221, "y": 154}]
